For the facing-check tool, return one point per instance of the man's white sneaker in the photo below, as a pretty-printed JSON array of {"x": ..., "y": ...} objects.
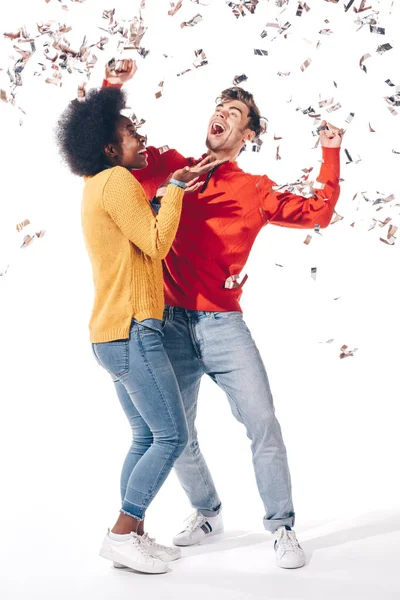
[
  {"x": 199, "y": 528},
  {"x": 289, "y": 553},
  {"x": 164, "y": 553},
  {"x": 132, "y": 553}
]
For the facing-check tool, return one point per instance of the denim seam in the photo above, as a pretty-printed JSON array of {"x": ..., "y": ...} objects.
[
  {"x": 222, "y": 386},
  {"x": 150, "y": 494}
]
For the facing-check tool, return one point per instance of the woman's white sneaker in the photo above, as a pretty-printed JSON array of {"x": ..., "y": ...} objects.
[
  {"x": 199, "y": 528},
  {"x": 132, "y": 553},
  {"x": 164, "y": 553},
  {"x": 289, "y": 553}
]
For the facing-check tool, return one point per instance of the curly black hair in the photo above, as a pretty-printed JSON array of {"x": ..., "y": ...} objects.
[{"x": 86, "y": 127}]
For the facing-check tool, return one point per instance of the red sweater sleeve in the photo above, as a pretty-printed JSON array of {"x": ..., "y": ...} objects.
[
  {"x": 160, "y": 166},
  {"x": 289, "y": 210}
]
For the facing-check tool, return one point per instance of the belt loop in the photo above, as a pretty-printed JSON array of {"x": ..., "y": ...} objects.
[{"x": 171, "y": 313}]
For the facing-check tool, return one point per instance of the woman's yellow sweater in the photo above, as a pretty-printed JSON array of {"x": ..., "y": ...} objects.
[{"x": 126, "y": 243}]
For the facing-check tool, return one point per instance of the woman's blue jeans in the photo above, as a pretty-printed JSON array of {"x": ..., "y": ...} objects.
[{"x": 149, "y": 394}]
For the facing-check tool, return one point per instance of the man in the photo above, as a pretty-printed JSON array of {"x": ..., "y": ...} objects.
[{"x": 204, "y": 330}]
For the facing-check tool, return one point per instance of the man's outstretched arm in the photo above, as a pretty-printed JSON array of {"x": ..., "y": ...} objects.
[{"x": 289, "y": 210}]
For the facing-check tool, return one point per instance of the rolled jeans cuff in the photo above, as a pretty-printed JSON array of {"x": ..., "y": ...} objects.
[
  {"x": 211, "y": 513},
  {"x": 132, "y": 510},
  {"x": 273, "y": 524}
]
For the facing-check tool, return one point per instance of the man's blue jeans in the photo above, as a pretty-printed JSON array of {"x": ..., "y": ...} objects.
[
  {"x": 149, "y": 394},
  {"x": 220, "y": 345}
]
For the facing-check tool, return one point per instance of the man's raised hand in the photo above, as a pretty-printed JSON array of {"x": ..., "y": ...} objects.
[{"x": 330, "y": 136}]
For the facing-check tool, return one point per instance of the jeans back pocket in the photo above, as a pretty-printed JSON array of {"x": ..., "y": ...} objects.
[{"x": 113, "y": 356}]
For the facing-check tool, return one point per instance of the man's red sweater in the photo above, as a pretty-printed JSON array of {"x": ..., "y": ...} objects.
[{"x": 219, "y": 225}]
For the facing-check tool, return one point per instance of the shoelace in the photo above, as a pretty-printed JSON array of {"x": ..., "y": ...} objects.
[
  {"x": 147, "y": 539},
  {"x": 288, "y": 540},
  {"x": 141, "y": 546},
  {"x": 195, "y": 520}
]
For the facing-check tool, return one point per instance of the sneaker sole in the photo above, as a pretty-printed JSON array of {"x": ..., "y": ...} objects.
[
  {"x": 118, "y": 565},
  {"x": 130, "y": 564},
  {"x": 204, "y": 539}
]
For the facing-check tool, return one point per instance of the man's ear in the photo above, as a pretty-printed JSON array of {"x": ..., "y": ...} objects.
[{"x": 248, "y": 135}]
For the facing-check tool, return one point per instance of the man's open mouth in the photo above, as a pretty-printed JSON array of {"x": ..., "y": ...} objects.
[{"x": 217, "y": 128}]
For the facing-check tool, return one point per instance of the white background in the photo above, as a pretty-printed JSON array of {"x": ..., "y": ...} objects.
[{"x": 63, "y": 435}]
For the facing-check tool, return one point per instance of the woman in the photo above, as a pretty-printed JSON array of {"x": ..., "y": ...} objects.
[{"x": 126, "y": 242}]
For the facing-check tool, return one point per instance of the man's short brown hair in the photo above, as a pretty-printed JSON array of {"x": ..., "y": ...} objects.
[{"x": 256, "y": 122}]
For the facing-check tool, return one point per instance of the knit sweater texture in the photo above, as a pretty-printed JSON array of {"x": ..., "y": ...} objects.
[{"x": 126, "y": 242}]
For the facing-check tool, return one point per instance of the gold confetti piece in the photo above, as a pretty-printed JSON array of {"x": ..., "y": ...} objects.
[
  {"x": 174, "y": 8},
  {"x": 371, "y": 129},
  {"x": 307, "y": 240},
  {"x": 305, "y": 64},
  {"x": 350, "y": 117},
  {"x": 314, "y": 273},
  {"x": 258, "y": 52},
  {"x": 336, "y": 218},
  {"x": 5, "y": 271},
  {"x": 283, "y": 74},
  {"x": 391, "y": 231},
  {"x": 328, "y": 341},
  {"x": 23, "y": 224},
  {"x": 40, "y": 233},
  {"x": 277, "y": 155},
  {"x": 389, "y": 242},
  {"x": 385, "y": 222},
  {"x": 345, "y": 351},
  {"x": 28, "y": 239},
  {"x": 163, "y": 149},
  {"x": 82, "y": 91},
  {"x": 276, "y": 137}
]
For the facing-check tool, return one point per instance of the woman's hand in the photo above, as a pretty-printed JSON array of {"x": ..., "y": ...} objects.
[{"x": 120, "y": 71}]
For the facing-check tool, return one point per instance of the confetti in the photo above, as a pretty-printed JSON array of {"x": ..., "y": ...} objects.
[
  {"x": 362, "y": 59},
  {"x": 345, "y": 351},
  {"x": 261, "y": 52},
  {"x": 307, "y": 240},
  {"x": 233, "y": 282},
  {"x": 380, "y": 30},
  {"x": 384, "y": 48},
  {"x": 239, "y": 79},
  {"x": 336, "y": 218},
  {"x": 314, "y": 273},
  {"x": 194, "y": 21},
  {"x": 20, "y": 226},
  {"x": 174, "y": 8},
  {"x": 305, "y": 64}
]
